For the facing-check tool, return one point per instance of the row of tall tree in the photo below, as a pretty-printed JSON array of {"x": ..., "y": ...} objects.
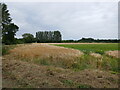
[
  {"x": 48, "y": 36},
  {"x": 41, "y": 37}
]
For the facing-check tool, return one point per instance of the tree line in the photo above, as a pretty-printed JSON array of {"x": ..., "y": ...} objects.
[
  {"x": 41, "y": 37},
  {"x": 30, "y": 39},
  {"x": 92, "y": 40}
]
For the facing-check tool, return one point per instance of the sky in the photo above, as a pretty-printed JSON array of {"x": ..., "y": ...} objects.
[{"x": 74, "y": 20}]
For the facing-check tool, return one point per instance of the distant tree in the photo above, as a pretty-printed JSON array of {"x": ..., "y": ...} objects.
[
  {"x": 8, "y": 29},
  {"x": 48, "y": 36},
  {"x": 57, "y": 36},
  {"x": 19, "y": 41},
  {"x": 39, "y": 36},
  {"x": 28, "y": 38},
  {"x": 86, "y": 40}
]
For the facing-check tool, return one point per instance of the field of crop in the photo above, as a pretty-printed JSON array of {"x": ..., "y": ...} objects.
[
  {"x": 97, "y": 48},
  {"x": 60, "y": 65}
]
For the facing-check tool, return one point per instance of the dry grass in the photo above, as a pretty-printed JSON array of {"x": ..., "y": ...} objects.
[
  {"x": 46, "y": 53},
  {"x": 96, "y": 55},
  {"x": 21, "y": 74},
  {"x": 32, "y": 74},
  {"x": 99, "y": 58},
  {"x": 113, "y": 53}
]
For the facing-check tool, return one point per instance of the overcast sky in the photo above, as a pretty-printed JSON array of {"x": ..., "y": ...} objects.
[{"x": 73, "y": 20}]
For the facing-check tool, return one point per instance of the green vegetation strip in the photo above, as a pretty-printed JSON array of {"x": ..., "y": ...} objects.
[{"x": 97, "y": 48}]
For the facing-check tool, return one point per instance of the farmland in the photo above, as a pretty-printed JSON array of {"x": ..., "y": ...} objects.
[
  {"x": 61, "y": 65},
  {"x": 97, "y": 48},
  {"x": 59, "y": 45}
]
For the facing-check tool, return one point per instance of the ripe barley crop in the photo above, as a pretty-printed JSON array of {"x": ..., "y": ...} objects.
[{"x": 47, "y": 54}]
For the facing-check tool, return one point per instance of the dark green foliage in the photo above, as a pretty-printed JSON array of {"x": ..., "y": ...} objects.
[
  {"x": 8, "y": 29},
  {"x": 91, "y": 40},
  {"x": 57, "y": 36},
  {"x": 28, "y": 38},
  {"x": 48, "y": 36},
  {"x": 9, "y": 33},
  {"x": 19, "y": 41},
  {"x": 6, "y": 19},
  {"x": 87, "y": 40}
]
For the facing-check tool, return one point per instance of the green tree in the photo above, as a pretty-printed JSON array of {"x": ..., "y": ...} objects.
[
  {"x": 28, "y": 38},
  {"x": 9, "y": 29},
  {"x": 0, "y": 23},
  {"x": 48, "y": 36},
  {"x": 57, "y": 36}
]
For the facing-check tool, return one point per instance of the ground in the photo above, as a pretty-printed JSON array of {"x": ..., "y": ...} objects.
[{"x": 29, "y": 74}]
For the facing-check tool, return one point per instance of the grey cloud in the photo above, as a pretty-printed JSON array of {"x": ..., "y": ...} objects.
[{"x": 74, "y": 20}]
